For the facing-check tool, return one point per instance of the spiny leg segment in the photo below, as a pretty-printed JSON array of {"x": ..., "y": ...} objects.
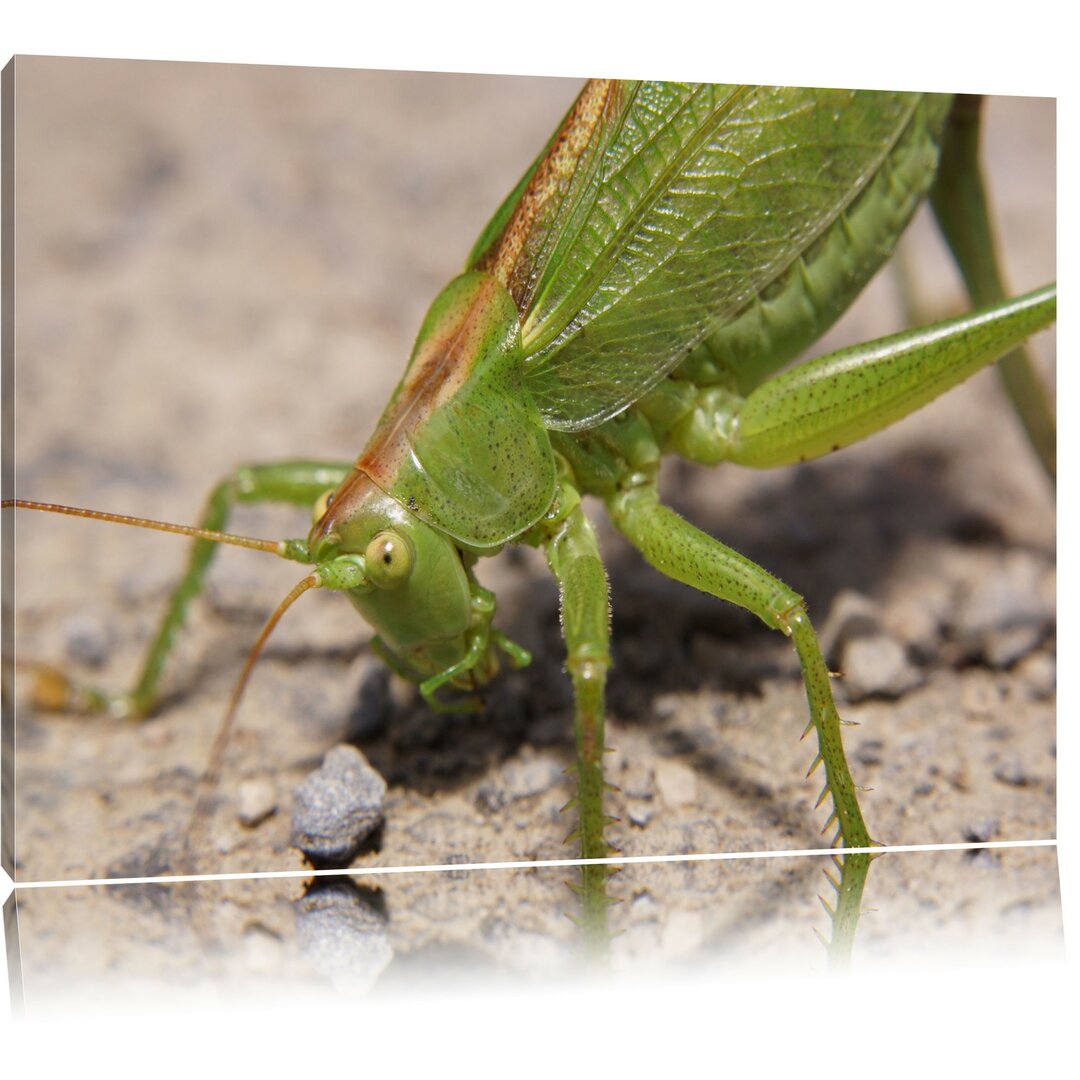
[
  {"x": 686, "y": 554},
  {"x": 574, "y": 558}
]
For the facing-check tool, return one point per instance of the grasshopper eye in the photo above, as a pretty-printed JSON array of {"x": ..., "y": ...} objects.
[
  {"x": 388, "y": 560},
  {"x": 322, "y": 504}
]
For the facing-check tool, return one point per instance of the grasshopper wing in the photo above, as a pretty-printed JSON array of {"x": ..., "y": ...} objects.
[{"x": 660, "y": 211}]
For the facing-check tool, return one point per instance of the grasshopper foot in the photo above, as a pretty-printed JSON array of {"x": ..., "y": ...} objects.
[{"x": 54, "y": 692}]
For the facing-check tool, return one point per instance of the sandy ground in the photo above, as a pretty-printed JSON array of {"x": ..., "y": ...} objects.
[{"x": 220, "y": 265}]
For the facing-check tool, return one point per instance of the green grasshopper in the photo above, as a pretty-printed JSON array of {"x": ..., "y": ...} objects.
[{"x": 670, "y": 250}]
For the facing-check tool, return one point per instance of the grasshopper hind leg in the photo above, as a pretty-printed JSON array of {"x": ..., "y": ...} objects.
[{"x": 961, "y": 206}]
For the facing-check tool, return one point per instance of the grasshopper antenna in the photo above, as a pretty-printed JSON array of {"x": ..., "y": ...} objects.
[
  {"x": 272, "y": 546},
  {"x": 197, "y": 834},
  {"x": 55, "y": 691}
]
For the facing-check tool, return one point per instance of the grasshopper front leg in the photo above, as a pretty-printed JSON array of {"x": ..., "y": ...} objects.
[
  {"x": 686, "y": 554},
  {"x": 574, "y": 557},
  {"x": 298, "y": 483},
  {"x": 804, "y": 413}
]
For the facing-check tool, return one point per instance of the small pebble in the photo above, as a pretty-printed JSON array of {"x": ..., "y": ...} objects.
[
  {"x": 1013, "y": 773},
  {"x": 530, "y": 777},
  {"x": 676, "y": 783},
  {"x": 645, "y": 904},
  {"x": 1002, "y": 648},
  {"x": 1038, "y": 672},
  {"x": 343, "y": 936},
  {"x": 851, "y": 615},
  {"x": 1004, "y": 613},
  {"x": 665, "y": 706},
  {"x": 88, "y": 639},
  {"x": 518, "y": 780},
  {"x": 491, "y": 799},
  {"x": 337, "y": 807},
  {"x": 256, "y": 800},
  {"x": 877, "y": 666},
  {"x": 916, "y": 616},
  {"x": 869, "y": 752},
  {"x": 981, "y": 832}
]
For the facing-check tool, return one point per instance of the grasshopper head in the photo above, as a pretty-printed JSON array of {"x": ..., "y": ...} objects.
[{"x": 405, "y": 577}]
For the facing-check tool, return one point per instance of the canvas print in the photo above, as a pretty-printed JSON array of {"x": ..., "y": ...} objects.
[{"x": 660, "y": 451}]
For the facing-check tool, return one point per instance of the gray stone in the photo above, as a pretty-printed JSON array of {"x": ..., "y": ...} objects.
[
  {"x": 1003, "y": 614},
  {"x": 1013, "y": 773},
  {"x": 877, "y": 666},
  {"x": 256, "y": 800},
  {"x": 337, "y": 807},
  {"x": 640, "y": 814},
  {"x": 531, "y": 776},
  {"x": 1039, "y": 674},
  {"x": 676, "y": 783},
  {"x": 343, "y": 935},
  {"x": 851, "y": 615},
  {"x": 88, "y": 639}
]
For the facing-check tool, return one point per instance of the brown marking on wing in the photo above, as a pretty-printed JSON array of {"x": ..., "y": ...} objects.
[
  {"x": 441, "y": 366},
  {"x": 548, "y": 180}
]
